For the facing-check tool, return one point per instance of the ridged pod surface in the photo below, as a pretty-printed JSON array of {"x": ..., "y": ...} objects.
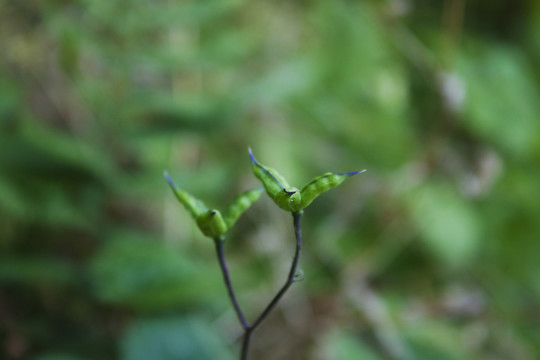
[
  {"x": 210, "y": 221},
  {"x": 194, "y": 206},
  {"x": 319, "y": 185},
  {"x": 275, "y": 185},
  {"x": 291, "y": 199},
  {"x": 240, "y": 204},
  {"x": 212, "y": 224}
]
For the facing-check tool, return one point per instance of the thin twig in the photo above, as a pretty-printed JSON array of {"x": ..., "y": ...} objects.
[
  {"x": 290, "y": 280},
  {"x": 245, "y": 344},
  {"x": 228, "y": 283},
  {"x": 290, "y": 277}
]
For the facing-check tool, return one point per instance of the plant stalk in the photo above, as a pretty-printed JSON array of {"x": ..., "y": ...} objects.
[
  {"x": 249, "y": 329},
  {"x": 228, "y": 283},
  {"x": 290, "y": 280}
]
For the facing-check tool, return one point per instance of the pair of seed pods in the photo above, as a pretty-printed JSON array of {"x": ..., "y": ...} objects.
[{"x": 214, "y": 224}]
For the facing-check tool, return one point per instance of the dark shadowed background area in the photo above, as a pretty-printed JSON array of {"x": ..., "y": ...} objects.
[{"x": 433, "y": 254}]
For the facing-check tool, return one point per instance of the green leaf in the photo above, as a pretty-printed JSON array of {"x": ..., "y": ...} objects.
[
  {"x": 448, "y": 225},
  {"x": 32, "y": 270},
  {"x": 173, "y": 339},
  {"x": 501, "y": 105},
  {"x": 57, "y": 356},
  {"x": 436, "y": 340},
  {"x": 344, "y": 346},
  {"x": 147, "y": 275}
]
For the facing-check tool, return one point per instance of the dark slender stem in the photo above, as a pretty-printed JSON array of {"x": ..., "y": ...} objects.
[
  {"x": 245, "y": 344},
  {"x": 249, "y": 329},
  {"x": 228, "y": 283},
  {"x": 290, "y": 278}
]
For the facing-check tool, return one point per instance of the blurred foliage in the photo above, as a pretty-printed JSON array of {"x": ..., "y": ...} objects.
[
  {"x": 173, "y": 339},
  {"x": 432, "y": 254}
]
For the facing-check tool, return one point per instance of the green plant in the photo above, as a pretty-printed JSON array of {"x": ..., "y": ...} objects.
[{"x": 214, "y": 225}]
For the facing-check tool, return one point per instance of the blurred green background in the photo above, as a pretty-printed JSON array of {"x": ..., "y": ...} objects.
[{"x": 432, "y": 254}]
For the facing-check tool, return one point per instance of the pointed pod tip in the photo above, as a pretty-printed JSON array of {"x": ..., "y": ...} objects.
[
  {"x": 354, "y": 172},
  {"x": 252, "y": 156},
  {"x": 169, "y": 180}
]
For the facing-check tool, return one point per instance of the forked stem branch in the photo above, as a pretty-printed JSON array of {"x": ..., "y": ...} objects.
[
  {"x": 249, "y": 329},
  {"x": 290, "y": 280}
]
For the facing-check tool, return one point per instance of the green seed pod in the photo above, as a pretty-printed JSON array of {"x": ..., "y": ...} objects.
[
  {"x": 321, "y": 184},
  {"x": 240, "y": 204},
  {"x": 194, "y": 206},
  {"x": 291, "y": 199},
  {"x": 275, "y": 185},
  {"x": 211, "y": 222},
  {"x": 296, "y": 201}
]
